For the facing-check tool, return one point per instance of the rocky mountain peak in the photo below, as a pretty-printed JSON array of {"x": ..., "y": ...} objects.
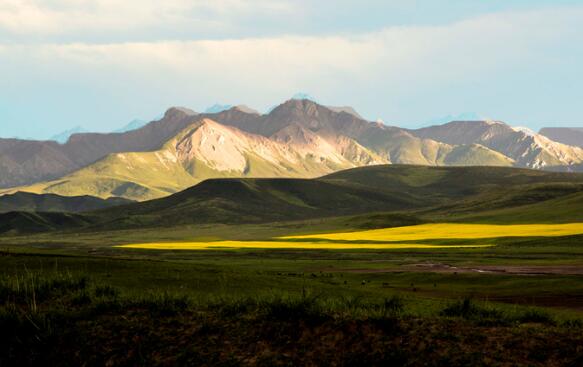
[{"x": 179, "y": 112}]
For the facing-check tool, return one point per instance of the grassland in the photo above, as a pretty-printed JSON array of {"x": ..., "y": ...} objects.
[
  {"x": 485, "y": 275},
  {"x": 276, "y": 307}
]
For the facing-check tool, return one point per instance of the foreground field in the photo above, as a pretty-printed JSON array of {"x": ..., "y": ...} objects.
[
  {"x": 251, "y": 309},
  {"x": 71, "y": 320},
  {"x": 295, "y": 293}
]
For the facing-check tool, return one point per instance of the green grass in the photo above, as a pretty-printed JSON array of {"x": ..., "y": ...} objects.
[
  {"x": 69, "y": 318},
  {"x": 189, "y": 307}
]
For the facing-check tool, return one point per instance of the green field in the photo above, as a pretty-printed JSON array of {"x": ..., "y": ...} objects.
[{"x": 460, "y": 280}]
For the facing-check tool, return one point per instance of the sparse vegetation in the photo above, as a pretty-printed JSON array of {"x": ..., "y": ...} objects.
[{"x": 50, "y": 325}]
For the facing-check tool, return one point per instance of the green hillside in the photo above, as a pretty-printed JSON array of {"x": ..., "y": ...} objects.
[
  {"x": 28, "y": 202},
  {"x": 15, "y": 223},
  {"x": 421, "y": 191},
  {"x": 377, "y": 195}
]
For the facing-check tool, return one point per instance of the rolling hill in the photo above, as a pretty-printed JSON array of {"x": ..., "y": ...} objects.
[
  {"x": 28, "y": 202},
  {"x": 428, "y": 193},
  {"x": 381, "y": 195},
  {"x": 16, "y": 223}
]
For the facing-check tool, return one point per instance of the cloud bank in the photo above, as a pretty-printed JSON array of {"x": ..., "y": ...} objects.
[{"x": 521, "y": 66}]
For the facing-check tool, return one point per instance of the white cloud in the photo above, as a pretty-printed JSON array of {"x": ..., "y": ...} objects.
[
  {"x": 482, "y": 45},
  {"x": 397, "y": 72},
  {"x": 65, "y": 17}
]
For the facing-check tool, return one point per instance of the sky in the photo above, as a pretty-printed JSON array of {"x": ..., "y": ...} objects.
[{"x": 101, "y": 63}]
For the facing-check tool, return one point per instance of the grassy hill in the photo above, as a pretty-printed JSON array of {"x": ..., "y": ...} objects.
[
  {"x": 418, "y": 191},
  {"x": 14, "y": 223},
  {"x": 373, "y": 196},
  {"x": 29, "y": 202}
]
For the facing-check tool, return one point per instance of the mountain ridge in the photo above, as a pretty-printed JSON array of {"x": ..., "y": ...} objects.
[{"x": 320, "y": 138}]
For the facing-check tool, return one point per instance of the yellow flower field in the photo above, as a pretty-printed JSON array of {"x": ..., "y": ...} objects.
[
  {"x": 282, "y": 245},
  {"x": 388, "y": 238},
  {"x": 451, "y": 231}
]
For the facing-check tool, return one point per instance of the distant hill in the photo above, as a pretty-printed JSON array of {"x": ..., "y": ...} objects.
[
  {"x": 65, "y": 135},
  {"x": 566, "y": 135},
  {"x": 28, "y": 202},
  {"x": 464, "y": 116},
  {"x": 216, "y": 108},
  {"x": 132, "y": 125}
]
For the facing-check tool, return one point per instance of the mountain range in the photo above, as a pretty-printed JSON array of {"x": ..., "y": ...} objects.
[{"x": 298, "y": 139}]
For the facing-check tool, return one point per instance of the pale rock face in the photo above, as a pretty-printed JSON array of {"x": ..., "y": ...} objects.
[
  {"x": 227, "y": 149},
  {"x": 308, "y": 144},
  {"x": 214, "y": 146}
]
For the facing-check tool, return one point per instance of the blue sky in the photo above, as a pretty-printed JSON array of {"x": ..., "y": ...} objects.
[{"x": 102, "y": 63}]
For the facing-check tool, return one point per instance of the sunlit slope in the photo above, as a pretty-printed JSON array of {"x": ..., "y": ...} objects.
[
  {"x": 136, "y": 176},
  {"x": 567, "y": 208},
  {"x": 476, "y": 155},
  {"x": 437, "y": 231}
]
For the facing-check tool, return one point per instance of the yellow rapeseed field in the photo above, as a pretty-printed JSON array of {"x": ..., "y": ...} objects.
[
  {"x": 388, "y": 238},
  {"x": 451, "y": 231},
  {"x": 282, "y": 245}
]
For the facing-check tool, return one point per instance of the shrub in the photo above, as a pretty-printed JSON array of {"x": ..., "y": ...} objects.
[
  {"x": 290, "y": 308},
  {"x": 536, "y": 316},
  {"x": 106, "y": 291},
  {"x": 467, "y": 309},
  {"x": 394, "y": 305}
]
